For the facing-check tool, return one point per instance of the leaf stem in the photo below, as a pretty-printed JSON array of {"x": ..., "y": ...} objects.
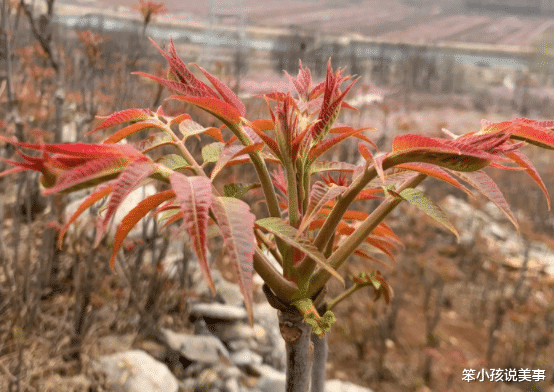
[
  {"x": 281, "y": 287},
  {"x": 185, "y": 153},
  {"x": 345, "y": 294},
  {"x": 327, "y": 231},
  {"x": 359, "y": 235},
  {"x": 270, "y": 246}
]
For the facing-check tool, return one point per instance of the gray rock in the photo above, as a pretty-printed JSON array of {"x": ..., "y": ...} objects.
[
  {"x": 238, "y": 345},
  {"x": 230, "y": 293},
  {"x": 126, "y": 206},
  {"x": 246, "y": 358},
  {"x": 270, "y": 380},
  {"x": 205, "y": 349},
  {"x": 343, "y": 386},
  {"x": 236, "y": 331},
  {"x": 219, "y": 312},
  {"x": 136, "y": 371},
  {"x": 227, "y": 372},
  {"x": 232, "y": 385},
  {"x": 266, "y": 316}
]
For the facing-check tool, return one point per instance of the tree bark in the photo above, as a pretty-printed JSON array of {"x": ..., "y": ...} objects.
[
  {"x": 321, "y": 350},
  {"x": 300, "y": 349}
]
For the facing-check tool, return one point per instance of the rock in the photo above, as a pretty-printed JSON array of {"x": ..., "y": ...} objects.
[
  {"x": 270, "y": 380},
  {"x": 227, "y": 372},
  {"x": 219, "y": 312},
  {"x": 230, "y": 293},
  {"x": 232, "y": 385},
  {"x": 266, "y": 317},
  {"x": 343, "y": 386},
  {"x": 204, "y": 349},
  {"x": 136, "y": 371},
  {"x": 246, "y": 357},
  {"x": 126, "y": 206},
  {"x": 209, "y": 380},
  {"x": 237, "y": 331}
]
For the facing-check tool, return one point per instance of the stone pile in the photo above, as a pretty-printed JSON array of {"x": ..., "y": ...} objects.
[
  {"x": 500, "y": 234},
  {"x": 223, "y": 354}
]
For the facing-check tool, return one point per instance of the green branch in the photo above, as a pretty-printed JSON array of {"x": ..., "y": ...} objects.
[{"x": 348, "y": 247}]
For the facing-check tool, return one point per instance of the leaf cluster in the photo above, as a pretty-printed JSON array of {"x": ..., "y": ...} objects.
[{"x": 313, "y": 222}]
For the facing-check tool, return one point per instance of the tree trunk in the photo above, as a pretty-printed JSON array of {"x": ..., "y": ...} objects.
[
  {"x": 321, "y": 350},
  {"x": 306, "y": 353},
  {"x": 299, "y": 351}
]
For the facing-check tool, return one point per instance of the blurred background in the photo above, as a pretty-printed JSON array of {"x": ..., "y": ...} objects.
[{"x": 486, "y": 301}]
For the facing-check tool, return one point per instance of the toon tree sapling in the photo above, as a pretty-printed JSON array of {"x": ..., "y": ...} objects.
[{"x": 313, "y": 222}]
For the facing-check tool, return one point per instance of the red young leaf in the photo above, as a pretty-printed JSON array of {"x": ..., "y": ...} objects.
[
  {"x": 539, "y": 133},
  {"x": 327, "y": 144},
  {"x": 377, "y": 161},
  {"x": 178, "y": 87},
  {"x": 525, "y": 163},
  {"x": 89, "y": 174},
  {"x": 369, "y": 194},
  {"x": 179, "y": 118},
  {"x": 174, "y": 218},
  {"x": 452, "y": 154},
  {"x": 190, "y": 128},
  {"x": 194, "y": 197},
  {"x": 303, "y": 82},
  {"x": 436, "y": 172},
  {"x": 272, "y": 144},
  {"x": 156, "y": 140},
  {"x": 363, "y": 251},
  {"x": 331, "y": 102},
  {"x": 236, "y": 223},
  {"x": 131, "y": 129},
  {"x": 233, "y": 151},
  {"x": 182, "y": 73},
  {"x": 135, "y": 215},
  {"x": 346, "y": 128},
  {"x": 128, "y": 180},
  {"x": 225, "y": 112},
  {"x": 89, "y": 201},
  {"x": 84, "y": 150},
  {"x": 320, "y": 194},
  {"x": 226, "y": 93},
  {"x": 122, "y": 117},
  {"x": 484, "y": 184}
]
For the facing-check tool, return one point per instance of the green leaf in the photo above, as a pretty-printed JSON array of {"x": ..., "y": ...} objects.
[
  {"x": 211, "y": 152},
  {"x": 290, "y": 235},
  {"x": 174, "y": 162},
  {"x": 421, "y": 201},
  {"x": 238, "y": 190}
]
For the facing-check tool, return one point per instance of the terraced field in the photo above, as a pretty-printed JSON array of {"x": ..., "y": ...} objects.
[{"x": 444, "y": 21}]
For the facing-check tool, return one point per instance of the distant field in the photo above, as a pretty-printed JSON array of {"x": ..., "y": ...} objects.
[{"x": 393, "y": 20}]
